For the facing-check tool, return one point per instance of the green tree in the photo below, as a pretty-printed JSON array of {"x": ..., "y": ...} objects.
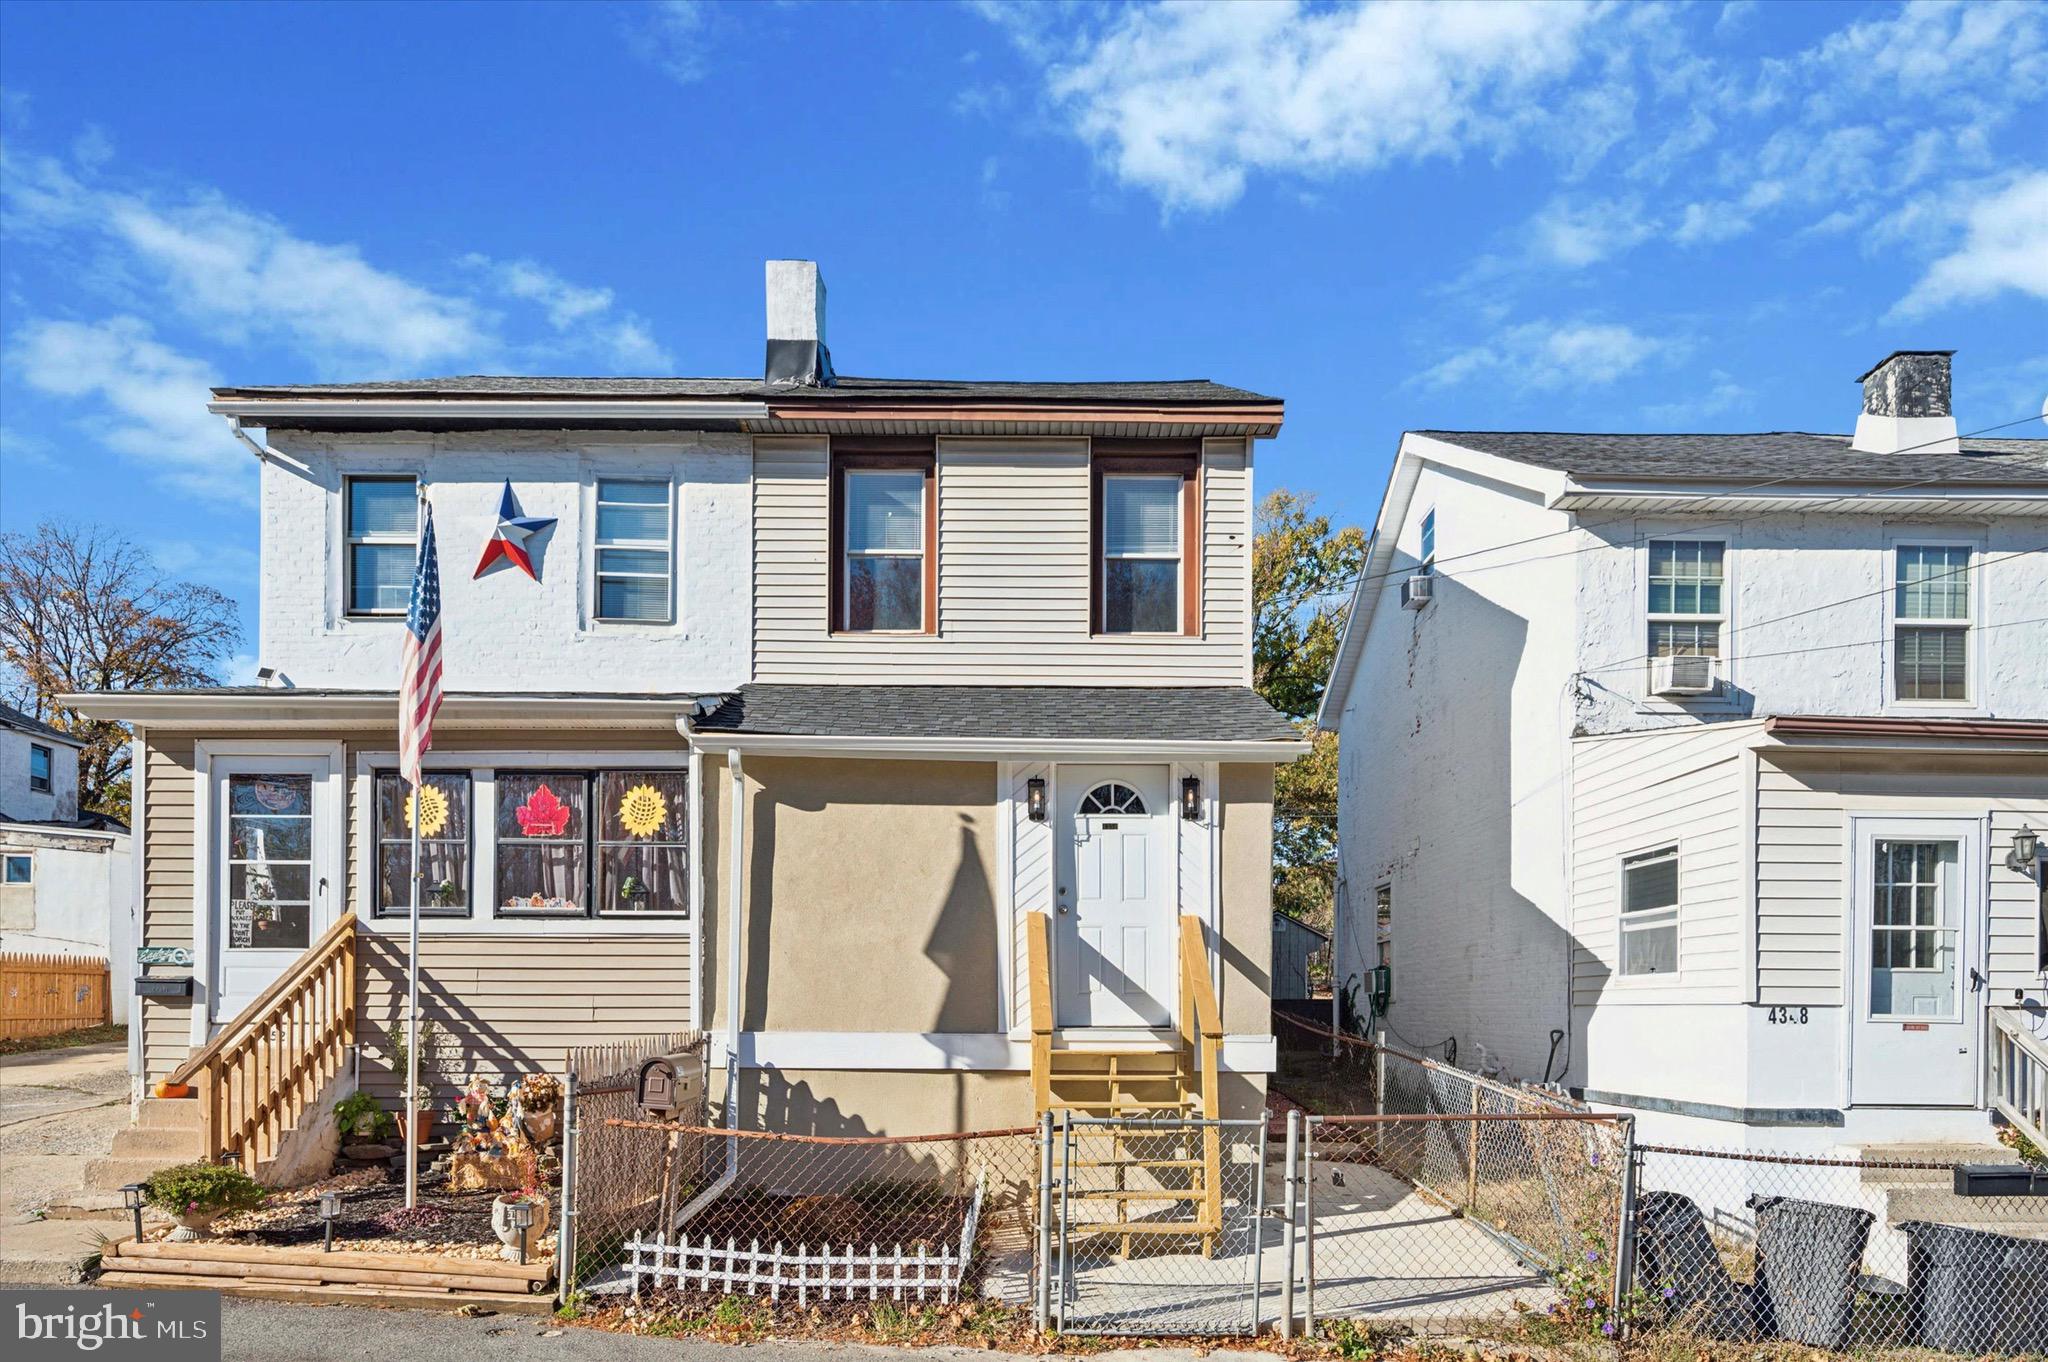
[
  {"x": 83, "y": 608},
  {"x": 1302, "y": 571}
]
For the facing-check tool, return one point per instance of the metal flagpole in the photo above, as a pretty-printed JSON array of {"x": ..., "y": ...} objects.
[{"x": 412, "y": 1013}]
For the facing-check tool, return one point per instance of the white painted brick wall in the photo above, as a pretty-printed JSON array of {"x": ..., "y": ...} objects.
[
  {"x": 506, "y": 632},
  {"x": 17, "y": 800}
]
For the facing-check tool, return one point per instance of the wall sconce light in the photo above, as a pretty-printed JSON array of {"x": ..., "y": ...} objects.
[
  {"x": 1034, "y": 799},
  {"x": 2026, "y": 849},
  {"x": 521, "y": 1213},
  {"x": 1191, "y": 798},
  {"x": 330, "y": 1211},
  {"x": 131, "y": 1197}
]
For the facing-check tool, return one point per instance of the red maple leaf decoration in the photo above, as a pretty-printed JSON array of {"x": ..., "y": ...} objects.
[{"x": 543, "y": 815}]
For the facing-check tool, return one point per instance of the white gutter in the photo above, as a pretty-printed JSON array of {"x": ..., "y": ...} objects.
[
  {"x": 1061, "y": 749},
  {"x": 263, "y": 451},
  {"x": 285, "y": 705},
  {"x": 283, "y": 410}
]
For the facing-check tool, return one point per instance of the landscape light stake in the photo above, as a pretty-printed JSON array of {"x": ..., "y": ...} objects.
[
  {"x": 522, "y": 1218},
  {"x": 330, "y": 1210},
  {"x": 131, "y": 1197}
]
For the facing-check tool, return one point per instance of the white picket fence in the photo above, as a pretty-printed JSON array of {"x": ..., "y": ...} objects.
[{"x": 842, "y": 1274}]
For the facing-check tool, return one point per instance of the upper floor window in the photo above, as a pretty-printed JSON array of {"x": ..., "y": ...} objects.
[
  {"x": 1931, "y": 622},
  {"x": 21, "y": 868},
  {"x": 1686, "y": 608},
  {"x": 634, "y": 551},
  {"x": 38, "y": 768},
  {"x": 1147, "y": 549},
  {"x": 885, "y": 554},
  {"x": 1649, "y": 913},
  {"x": 1429, "y": 542},
  {"x": 383, "y": 515}
]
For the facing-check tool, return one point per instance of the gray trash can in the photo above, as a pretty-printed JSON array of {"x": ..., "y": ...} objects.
[
  {"x": 1676, "y": 1254},
  {"x": 1974, "y": 1291},
  {"x": 1809, "y": 1258}
]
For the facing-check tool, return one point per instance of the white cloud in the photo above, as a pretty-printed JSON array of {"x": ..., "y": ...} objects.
[
  {"x": 1187, "y": 101},
  {"x": 1721, "y": 395},
  {"x": 1544, "y": 355},
  {"x": 155, "y": 400},
  {"x": 577, "y": 312},
  {"x": 1710, "y": 222},
  {"x": 671, "y": 34},
  {"x": 2004, "y": 247},
  {"x": 1577, "y": 234}
]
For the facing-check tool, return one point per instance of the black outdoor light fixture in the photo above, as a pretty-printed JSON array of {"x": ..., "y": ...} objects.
[
  {"x": 522, "y": 1219},
  {"x": 131, "y": 1197},
  {"x": 1034, "y": 799},
  {"x": 1191, "y": 798},
  {"x": 330, "y": 1211},
  {"x": 2026, "y": 849}
]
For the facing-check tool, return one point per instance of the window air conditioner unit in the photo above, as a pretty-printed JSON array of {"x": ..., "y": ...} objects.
[
  {"x": 1684, "y": 675},
  {"x": 1415, "y": 590}
]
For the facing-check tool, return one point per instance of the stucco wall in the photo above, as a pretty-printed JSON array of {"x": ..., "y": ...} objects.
[
  {"x": 1247, "y": 888},
  {"x": 506, "y": 632},
  {"x": 19, "y": 802}
]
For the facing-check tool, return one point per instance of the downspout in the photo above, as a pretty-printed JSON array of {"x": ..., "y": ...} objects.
[
  {"x": 735, "y": 897},
  {"x": 264, "y": 452}
]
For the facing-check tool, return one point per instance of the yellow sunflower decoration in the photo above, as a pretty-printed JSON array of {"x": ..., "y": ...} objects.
[
  {"x": 642, "y": 811},
  {"x": 433, "y": 812}
]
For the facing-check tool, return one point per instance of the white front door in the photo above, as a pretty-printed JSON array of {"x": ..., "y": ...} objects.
[
  {"x": 1916, "y": 1009},
  {"x": 274, "y": 827},
  {"x": 1113, "y": 939}
]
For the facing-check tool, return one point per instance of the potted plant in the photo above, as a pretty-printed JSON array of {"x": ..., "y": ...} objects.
[
  {"x": 632, "y": 890},
  {"x": 540, "y": 1106},
  {"x": 197, "y": 1194},
  {"x": 519, "y": 1243},
  {"x": 444, "y": 894},
  {"x": 362, "y": 1120},
  {"x": 430, "y": 1067}
]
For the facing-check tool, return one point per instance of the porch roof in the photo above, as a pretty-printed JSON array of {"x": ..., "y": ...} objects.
[{"x": 1973, "y": 734}]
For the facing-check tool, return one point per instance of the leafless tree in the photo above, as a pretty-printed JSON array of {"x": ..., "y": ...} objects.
[{"x": 83, "y": 608}]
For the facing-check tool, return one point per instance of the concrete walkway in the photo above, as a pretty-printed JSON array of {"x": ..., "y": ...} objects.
[{"x": 59, "y": 1110}]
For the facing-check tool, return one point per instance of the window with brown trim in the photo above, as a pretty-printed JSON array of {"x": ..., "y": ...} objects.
[
  {"x": 1146, "y": 551},
  {"x": 885, "y": 537}
]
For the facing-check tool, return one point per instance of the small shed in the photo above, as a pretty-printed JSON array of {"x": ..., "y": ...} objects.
[{"x": 1294, "y": 944}]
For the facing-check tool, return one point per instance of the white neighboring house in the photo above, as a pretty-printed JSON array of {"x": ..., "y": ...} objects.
[
  {"x": 1696, "y": 772},
  {"x": 67, "y": 886}
]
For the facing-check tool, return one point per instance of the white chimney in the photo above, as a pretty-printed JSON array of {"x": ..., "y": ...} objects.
[
  {"x": 1906, "y": 405},
  {"x": 796, "y": 324}
]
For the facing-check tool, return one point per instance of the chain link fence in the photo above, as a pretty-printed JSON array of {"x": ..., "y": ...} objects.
[{"x": 1838, "y": 1253}]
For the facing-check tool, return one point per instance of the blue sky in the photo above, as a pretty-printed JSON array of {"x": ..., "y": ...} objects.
[{"x": 1596, "y": 217}]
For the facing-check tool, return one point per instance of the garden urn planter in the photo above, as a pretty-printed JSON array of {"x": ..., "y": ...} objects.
[
  {"x": 194, "y": 1225},
  {"x": 501, "y": 1224}
]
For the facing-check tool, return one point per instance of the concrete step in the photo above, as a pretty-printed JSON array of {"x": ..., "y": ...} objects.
[
  {"x": 55, "y": 1252},
  {"x": 1945, "y": 1207},
  {"x": 169, "y": 1113},
  {"x": 173, "y": 1145},
  {"x": 83, "y": 1205},
  {"x": 1950, "y": 1152},
  {"x": 114, "y": 1172}
]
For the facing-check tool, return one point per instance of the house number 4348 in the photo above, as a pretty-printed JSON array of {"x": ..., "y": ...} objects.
[{"x": 1787, "y": 1016}]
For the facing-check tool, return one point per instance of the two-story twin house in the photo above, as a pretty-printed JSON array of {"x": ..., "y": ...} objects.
[
  {"x": 1702, "y": 772},
  {"x": 823, "y": 691}
]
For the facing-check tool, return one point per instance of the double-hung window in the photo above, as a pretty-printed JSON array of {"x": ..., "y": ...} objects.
[
  {"x": 39, "y": 768},
  {"x": 1931, "y": 622},
  {"x": 383, "y": 527},
  {"x": 1649, "y": 912},
  {"x": 1686, "y": 606},
  {"x": 1428, "y": 543},
  {"x": 634, "y": 552},
  {"x": 1147, "y": 559},
  {"x": 885, "y": 543},
  {"x": 443, "y": 812}
]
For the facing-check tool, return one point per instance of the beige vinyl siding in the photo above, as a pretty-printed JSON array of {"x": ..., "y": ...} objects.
[
  {"x": 1638, "y": 793},
  {"x": 166, "y": 892},
  {"x": 512, "y": 1004},
  {"x": 1804, "y": 801},
  {"x": 1013, "y": 574}
]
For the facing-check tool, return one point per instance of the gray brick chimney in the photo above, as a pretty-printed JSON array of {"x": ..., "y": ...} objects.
[
  {"x": 796, "y": 324},
  {"x": 1906, "y": 405}
]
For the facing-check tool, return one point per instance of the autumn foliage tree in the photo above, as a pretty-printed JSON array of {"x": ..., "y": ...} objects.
[
  {"x": 83, "y": 608},
  {"x": 1302, "y": 571}
]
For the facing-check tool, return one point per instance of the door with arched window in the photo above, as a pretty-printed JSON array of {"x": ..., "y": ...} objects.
[{"x": 1113, "y": 942}]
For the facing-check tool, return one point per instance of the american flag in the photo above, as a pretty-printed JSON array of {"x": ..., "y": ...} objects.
[{"x": 419, "y": 691}]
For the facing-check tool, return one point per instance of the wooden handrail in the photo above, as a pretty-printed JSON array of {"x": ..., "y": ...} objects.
[
  {"x": 1038, "y": 975},
  {"x": 2019, "y": 1076},
  {"x": 261, "y": 1071},
  {"x": 1199, "y": 1013}
]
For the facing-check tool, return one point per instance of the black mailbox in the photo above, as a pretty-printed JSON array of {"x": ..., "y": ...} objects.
[
  {"x": 164, "y": 986},
  {"x": 2000, "y": 1179}
]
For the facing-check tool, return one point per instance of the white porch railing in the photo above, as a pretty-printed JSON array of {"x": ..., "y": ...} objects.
[{"x": 2019, "y": 1075}]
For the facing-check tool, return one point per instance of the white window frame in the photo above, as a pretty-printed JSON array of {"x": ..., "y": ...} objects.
[
  {"x": 843, "y": 618},
  {"x": 1723, "y": 620},
  {"x": 666, "y": 546},
  {"x": 1178, "y": 557},
  {"x": 49, "y": 785},
  {"x": 484, "y": 917},
  {"x": 28, "y": 856},
  {"x": 1968, "y": 626},
  {"x": 350, "y": 539},
  {"x": 1426, "y": 553},
  {"x": 1649, "y": 919}
]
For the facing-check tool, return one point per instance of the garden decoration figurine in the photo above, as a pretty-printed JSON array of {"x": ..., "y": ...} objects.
[
  {"x": 475, "y": 1103},
  {"x": 491, "y": 1151},
  {"x": 540, "y": 1106}
]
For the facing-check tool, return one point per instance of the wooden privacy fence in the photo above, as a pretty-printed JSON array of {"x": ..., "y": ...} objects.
[{"x": 42, "y": 995}]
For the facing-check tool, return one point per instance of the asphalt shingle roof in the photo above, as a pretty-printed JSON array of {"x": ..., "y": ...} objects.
[
  {"x": 10, "y": 717},
  {"x": 1793, "y": 455},
  {"x": 1137, "y": 713},
  {"x": 1193, "y": 391}
]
